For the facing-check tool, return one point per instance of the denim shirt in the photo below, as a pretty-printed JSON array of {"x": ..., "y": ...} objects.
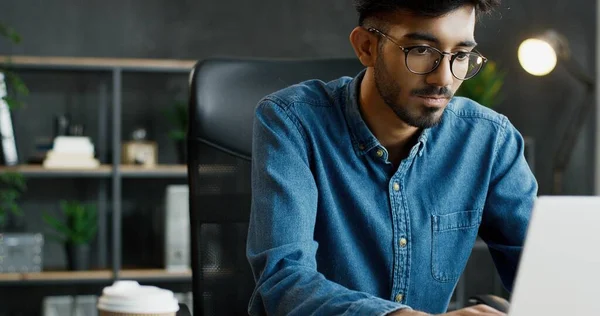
[{"x": 335, "y": 228}]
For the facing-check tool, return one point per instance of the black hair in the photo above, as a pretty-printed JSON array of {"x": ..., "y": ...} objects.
[{"x": 425, "y": 8}]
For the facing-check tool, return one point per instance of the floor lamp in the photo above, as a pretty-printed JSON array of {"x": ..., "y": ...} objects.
[{"x": 538, "y": 56}]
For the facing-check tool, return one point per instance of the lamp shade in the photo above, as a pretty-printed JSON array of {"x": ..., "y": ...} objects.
[{"x": 537, "y": 56}]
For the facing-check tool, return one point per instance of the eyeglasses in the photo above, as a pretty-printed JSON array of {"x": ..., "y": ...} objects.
[{"x": 422, "y": 60}]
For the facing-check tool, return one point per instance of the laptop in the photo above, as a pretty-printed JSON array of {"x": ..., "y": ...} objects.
[{"x": 559, "y": 271}]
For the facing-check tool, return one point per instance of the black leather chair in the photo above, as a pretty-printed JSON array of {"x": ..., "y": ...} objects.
[{"x": 223, "y": 96}]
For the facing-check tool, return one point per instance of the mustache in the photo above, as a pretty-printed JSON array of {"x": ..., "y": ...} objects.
[{"x": 433, "y": 91}]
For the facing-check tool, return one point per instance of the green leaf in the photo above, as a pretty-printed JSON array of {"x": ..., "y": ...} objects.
[
  {"x": 485, "y": 87},
  {"x": 15, "y": 209},
  {"x": 10, "y": 33},
  {"x": 12, "y": 102},
  {"x": 56, "y": 224},
  {"x": 15, "y": 82},
  {"x": 177, "y": 134},
  {"x": 80, "y": 223},
  {"x": 178, "y": 116}
]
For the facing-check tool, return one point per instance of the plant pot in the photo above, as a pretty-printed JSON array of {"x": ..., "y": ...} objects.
[
  {"x": 181, "y": 151},
  {"x": 78, "y": 256}
]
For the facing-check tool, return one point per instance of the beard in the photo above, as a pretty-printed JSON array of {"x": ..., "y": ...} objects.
[{"x": 425, "y": 117}]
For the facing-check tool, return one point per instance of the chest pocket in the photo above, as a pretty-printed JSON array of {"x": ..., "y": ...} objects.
[{"x": 453, "y": 238}]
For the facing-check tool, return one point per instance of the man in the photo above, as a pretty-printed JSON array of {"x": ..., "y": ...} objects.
[{"x": 369, "y": 192}]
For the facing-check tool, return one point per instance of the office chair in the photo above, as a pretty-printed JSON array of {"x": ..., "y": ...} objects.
[{"x": 223, "y": 97}]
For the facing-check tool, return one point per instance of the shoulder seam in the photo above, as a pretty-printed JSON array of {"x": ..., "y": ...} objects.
[
  {"x": 289, "y": 103},
  {"x": 285, "y": 107},
  {"x": 501, "y": 136},
  {"x": 479, "y": 116}
]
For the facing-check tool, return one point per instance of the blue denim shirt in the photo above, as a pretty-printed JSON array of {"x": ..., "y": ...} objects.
[{"x": 335, "y": 228}]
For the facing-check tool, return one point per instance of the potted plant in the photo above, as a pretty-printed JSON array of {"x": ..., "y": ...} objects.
[
  {"x": 76, "y": 231},
  {"x": 13, "y": 81},
  {"x": 12, "y": 186},
  {"x": 178, "y": 116},
  {"x": 485, "y": 87}
]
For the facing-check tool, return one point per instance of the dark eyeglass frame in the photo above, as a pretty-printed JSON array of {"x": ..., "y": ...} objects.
[{"x": 453, "y": 56}]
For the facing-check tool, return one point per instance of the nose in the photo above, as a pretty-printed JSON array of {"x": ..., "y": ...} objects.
[{"x": 442, "y": 76}]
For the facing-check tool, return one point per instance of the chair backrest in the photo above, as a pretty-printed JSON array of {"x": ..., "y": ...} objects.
[{"x": 223, "y": 96}]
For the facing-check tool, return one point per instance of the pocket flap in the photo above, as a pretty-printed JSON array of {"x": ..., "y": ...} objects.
[{"x": 456, "y": 220}]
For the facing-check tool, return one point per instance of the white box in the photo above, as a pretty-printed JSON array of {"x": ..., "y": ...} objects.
[{"x": 177, "y": 229}]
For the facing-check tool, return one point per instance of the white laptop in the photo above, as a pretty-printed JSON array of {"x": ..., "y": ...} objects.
[{"x": 559, "y": 272}]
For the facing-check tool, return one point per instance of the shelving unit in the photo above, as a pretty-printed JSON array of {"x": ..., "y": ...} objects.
[
  {"x": 92, "y": 276},
  {"x": 115, "y": 172},
  {"x": 127, "y": 171}
]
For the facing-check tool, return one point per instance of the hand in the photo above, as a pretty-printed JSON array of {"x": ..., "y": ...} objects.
[
  {"x": 480, "y": 310},
  {"x": 477, "y": 310},
  {"x": 408, "y": 312}
]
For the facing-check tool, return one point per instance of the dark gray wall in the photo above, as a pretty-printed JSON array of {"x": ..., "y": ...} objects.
[{"x": 538, "y": 107}]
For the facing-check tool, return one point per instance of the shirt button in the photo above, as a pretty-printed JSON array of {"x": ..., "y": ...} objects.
[
  {"x": 361, "y": 146},
  {"x": 396, "y": 186},
  {"x": 379, "y": 152},
  {"x": 399, "y": 298},
  {"x": 403, "y": 242}
]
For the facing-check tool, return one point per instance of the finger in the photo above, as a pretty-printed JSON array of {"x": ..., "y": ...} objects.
[{"x": 482, "y": 308}]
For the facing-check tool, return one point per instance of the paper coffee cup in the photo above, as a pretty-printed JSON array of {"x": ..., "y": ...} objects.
[{"x": 129, "y": 298}]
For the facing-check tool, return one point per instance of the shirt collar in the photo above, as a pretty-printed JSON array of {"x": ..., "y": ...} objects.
[{"x": 363, "y": 139}]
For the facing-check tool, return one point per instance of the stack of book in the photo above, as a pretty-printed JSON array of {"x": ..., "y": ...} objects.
[{"x": 71, "y": 152}]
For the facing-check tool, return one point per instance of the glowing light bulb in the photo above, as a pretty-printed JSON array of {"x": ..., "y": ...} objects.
[{"x": 537, "y": 57}]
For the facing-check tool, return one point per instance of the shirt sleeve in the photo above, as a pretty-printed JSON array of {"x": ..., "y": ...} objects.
[
  {"x": 280, "y": 246},
  {"x": 512, "y": 192}
]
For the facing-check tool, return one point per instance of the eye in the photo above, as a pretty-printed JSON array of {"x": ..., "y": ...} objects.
[
  {"x": 422, "y": 50},
  {"x": 462, "y": 56}
]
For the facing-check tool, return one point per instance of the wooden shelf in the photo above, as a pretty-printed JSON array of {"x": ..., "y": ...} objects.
[
  {"x": 96, "y": 63},
  {"x": 94, "y": 276},
  {"x": 40, "y": 171},
  {"x": 154, "y": 274},
  {"x": 126, "y": 171},
  {"x": 163, "y": 171}
]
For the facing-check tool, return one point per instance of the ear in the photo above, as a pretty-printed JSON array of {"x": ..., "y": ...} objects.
[{"x": 365, "y": 45}]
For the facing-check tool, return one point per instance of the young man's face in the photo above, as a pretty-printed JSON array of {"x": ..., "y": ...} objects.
[{"x": 419, "y": 100}]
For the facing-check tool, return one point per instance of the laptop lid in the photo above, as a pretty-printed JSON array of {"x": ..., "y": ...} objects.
[{"x": 559, "y": 271}]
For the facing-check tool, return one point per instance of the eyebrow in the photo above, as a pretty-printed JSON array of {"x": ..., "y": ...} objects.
[{"x": 421, "y": 36}]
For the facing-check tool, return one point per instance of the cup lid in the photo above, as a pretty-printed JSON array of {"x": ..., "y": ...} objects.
[{"x": 131, "y": 297}]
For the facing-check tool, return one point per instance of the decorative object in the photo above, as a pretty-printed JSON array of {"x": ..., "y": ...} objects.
[
  {"x": 21, "y": 252},
  {"x": 485, "y": 87},
  {"x": 538, "y": 56},
  {"x": 76, "y": 232},
  {"x": 178, "y": 116},
  {"x": 140, "y": 151},
  {"x": 71, "y": 152},
  {"x": 177, "y": 229},
  {"x": 61, "y": 125}
]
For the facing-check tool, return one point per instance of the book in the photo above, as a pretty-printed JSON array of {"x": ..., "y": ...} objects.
[{"x": 8, "y": 146}]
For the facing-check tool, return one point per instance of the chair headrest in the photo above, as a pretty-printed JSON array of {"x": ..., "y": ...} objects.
[{"x": 225, "y": 92}]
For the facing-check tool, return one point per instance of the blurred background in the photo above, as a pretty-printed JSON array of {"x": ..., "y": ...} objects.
[{"x": 141, "y": 52}]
